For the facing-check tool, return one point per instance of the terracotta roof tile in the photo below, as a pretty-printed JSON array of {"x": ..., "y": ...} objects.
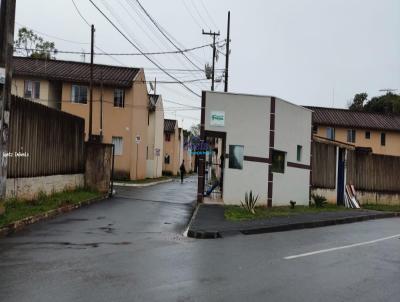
[
  {"x": 169, "y": 125},
  {"x": 70, "y": 71},
  {"x": 354, "y": 119}
]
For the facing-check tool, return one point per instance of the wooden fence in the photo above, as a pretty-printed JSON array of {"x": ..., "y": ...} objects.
[
  {"x": 367, "y": 172},
  {"x": 323, "y": 165},
  {"x": 44, "y": 141},
  {"x": 374, "y": 173}
]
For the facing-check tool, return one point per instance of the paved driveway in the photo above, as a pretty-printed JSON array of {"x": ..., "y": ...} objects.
[{"x": 131, "y": 249}]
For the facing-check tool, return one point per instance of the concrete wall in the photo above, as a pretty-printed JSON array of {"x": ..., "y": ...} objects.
[
  {"x": 98, "y": 166},
  {"x": 29, "y": 187},
  {"x": 392, "y": 146},
  {"x": 249, "y": 128},
  {"x": 155, "y": 141},
  {"x": 292, "y": 128},
  {"x": 363, "y": 197}
]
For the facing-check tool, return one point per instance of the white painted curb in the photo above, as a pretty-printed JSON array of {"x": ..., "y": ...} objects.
[{"x": 126, "y": 184}]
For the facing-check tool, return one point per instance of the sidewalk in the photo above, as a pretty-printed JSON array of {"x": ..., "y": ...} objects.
[{"x": 209, "y": 222}]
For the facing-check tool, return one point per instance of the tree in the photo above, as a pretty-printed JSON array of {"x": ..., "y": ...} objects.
[
  {"x": 358, "y": 101},
  {"x": 388, "y": 103},
  {"x": 195, "y": 130},
  {"x": 31, "y": 45}
]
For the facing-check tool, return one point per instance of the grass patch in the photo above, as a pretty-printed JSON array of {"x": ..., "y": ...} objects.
[
  {"x": 18, "y": 209},
  {"x": 237, "y": 213},
  {"x": 382, "y": 207}
]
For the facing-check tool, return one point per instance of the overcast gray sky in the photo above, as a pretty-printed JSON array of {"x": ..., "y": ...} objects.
[{"x": 309, "y": 52}]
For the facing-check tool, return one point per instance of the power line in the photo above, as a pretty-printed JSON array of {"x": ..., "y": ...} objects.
[
  {"x": 177, "y": 103},
  {"x": 122, "y": 53},
  {"x": 198, "y": 12},
  {"x": 77, "y": 9},
  {"x": 138, "y": 49},
  {"x": 166, "y": 36},
  {"x": 208, "y": 13},
  {"x": 52, "y": 36}
]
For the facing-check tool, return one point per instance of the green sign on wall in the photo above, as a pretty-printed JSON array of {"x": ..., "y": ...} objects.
[{"x": 217, "y": 118}]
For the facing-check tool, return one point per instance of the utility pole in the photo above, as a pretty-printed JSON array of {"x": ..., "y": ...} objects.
[
  {"x": 213, "y": 34},
  {"x": 7, "y": 23},
  {"x": 91, "y": 83},
  {"x": 227, "y": 52}
]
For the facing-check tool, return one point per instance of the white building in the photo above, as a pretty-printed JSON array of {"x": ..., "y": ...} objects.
[
  {"x": 266, "y": 146},
  {"x": 155, "y": 134}
]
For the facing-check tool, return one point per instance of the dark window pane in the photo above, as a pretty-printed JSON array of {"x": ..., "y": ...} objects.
[
  {"x": 299, "y": 152},
  {"x": 383, "y": 139},
  {"x": 236, "y": 157},
  {"x": 367, "y": 134},
  {"x": 278, "y": 161},
  {"x": 36, "y": 89}
]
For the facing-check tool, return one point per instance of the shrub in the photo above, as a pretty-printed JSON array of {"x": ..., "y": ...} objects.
[
  {"x": 319, "y": 200},
  {"x": 250, "y": 202}
]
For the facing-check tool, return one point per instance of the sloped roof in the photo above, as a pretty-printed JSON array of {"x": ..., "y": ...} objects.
[
  {"x": 336, "y": 117},
  {"x": 153, "y": 99},
  {"x": 169, "y": 125},
  {"x": 70, "y": 71}
]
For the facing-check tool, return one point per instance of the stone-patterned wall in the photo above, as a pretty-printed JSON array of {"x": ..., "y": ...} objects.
[
  {"x": 98, "y": 166},
  {"x": 29, "y": 187}
]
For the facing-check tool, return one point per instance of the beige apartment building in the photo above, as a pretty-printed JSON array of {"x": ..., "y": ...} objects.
[
  {"x": 120, "y": 104},
  {"x": 173, "y": 146},
  {"x": 370, "y": 132},
  {"x": 155, "y": 134}
]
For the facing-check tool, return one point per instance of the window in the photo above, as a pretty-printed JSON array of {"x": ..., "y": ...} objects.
[
  {"x": 167, "y": 137},
  {"x": 367, "y": 134},
  {"x": 383, "y": 139},
  {"x": 166, "y": 159},
  {"x": 278, "y": 161},
  {"x": 315, "y": 129},
  {"x": 351, "y": 136},
  {"x": 32, "y": 89},
  {"x": 236, "y": 157},
  {"x": 117, "y": 141},
  {"x": 119, "y": 98},
  {"x": 330, "y": 133},
  {"x": 299, "y": 152},
  {"x": 79, "y": 94}
]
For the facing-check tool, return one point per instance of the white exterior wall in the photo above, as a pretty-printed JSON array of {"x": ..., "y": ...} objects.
[
  {"x": 155, "y": 135},
  {"x": 247, "y": 124},
  {"x": 292, "y": 128},
  {"x": 29, "y": 187}
]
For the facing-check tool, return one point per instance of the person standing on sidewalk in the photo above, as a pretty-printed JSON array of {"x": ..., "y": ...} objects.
[{"x": 183, "y": 170}]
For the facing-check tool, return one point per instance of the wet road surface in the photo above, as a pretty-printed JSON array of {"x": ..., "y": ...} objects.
[{"x": 131, "y": 248}]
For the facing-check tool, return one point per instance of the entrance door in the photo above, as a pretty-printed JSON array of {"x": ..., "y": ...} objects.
[
  {"x": 214, "y": 164},
  {"x": 340, "y": 178}
]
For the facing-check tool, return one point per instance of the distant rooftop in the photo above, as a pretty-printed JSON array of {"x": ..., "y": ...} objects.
[
  {"x": 70, "y": 71},
  {"x": 169, "y": 125},
  {"x": 336, "y": 117}
]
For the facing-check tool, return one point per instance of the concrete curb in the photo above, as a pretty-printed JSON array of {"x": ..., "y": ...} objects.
[
  {"x": 212, "y": 233},
  {"x": 126, "y": 184},
  {"x": 23, "y": 223}
]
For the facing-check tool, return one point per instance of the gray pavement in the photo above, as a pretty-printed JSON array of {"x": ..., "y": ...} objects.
[{"x": 131, "y": 249}]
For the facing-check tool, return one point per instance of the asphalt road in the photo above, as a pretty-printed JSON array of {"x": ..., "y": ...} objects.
[{"x": 131, "y": 248}]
